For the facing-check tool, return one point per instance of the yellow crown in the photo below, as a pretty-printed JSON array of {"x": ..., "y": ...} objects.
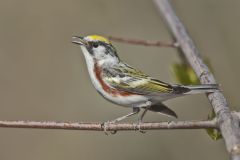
[{"x": 99, "y": 38}]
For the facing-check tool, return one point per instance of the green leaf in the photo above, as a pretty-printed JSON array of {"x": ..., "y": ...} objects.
[
  {"x": 184, "y": 74},
  {"x": 213, "y": 133}
]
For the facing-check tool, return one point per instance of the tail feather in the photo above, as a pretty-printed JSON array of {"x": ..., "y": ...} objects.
[
  {"x": 195, "y": 89},
  {"x": 203, "y": 88},
  {"x": 183, "y": 90},
  {"x": 163, "y": 109}
]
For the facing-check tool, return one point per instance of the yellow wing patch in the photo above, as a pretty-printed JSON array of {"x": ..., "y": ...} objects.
[
  {"x": 99, "y": 38},
  {"x": 128, "y": 79},
  {"x": 159, "y": 86}
]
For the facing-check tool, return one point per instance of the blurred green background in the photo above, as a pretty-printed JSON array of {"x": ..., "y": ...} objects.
[{"x": 43, "y": 76}]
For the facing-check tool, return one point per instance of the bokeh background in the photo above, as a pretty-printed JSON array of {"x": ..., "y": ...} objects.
[{"x": 43, "y": 76}]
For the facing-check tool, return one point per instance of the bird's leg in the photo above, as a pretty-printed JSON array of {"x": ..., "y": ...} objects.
[
  {"x": 105, "y": 124},
  {"x": 143, "y": 114},
  {"x": 141, "y": 118},
  {"x": 135, "y": 111}
]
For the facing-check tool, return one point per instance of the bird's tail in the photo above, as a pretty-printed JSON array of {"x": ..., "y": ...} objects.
[
  {"x": 201, "y": 88},
  {"x": 163, "y": 109}
]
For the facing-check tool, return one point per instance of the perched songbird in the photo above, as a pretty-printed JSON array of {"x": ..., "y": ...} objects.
[{"x": 124, "y": 85}]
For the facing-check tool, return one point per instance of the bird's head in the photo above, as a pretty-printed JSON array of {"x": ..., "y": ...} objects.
[{"x": 97, "y": 47}]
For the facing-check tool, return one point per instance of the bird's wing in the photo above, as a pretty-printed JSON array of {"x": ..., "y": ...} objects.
[{"x": 128, "y": 79}]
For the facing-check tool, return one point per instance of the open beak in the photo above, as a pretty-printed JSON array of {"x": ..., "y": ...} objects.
[{"x": 79, "y": 40}]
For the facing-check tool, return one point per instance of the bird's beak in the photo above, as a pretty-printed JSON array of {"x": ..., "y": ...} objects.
[{"x": 79, "y": 40}]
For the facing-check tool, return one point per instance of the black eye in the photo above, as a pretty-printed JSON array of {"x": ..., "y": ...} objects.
[{"x": 95, "y": 44}]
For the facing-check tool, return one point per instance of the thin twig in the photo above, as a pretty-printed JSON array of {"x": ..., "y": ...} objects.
[
  {"x": 110, "y": 127},
  {"x": 228, "y": 123},
  {"x": 143, "y": 42}
]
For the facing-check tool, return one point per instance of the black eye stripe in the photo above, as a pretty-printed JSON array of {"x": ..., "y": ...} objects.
[{"x": 95, "y": 44}]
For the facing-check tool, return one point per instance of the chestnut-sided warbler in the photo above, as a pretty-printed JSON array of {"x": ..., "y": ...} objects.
[{"x": 124, "y": 85}]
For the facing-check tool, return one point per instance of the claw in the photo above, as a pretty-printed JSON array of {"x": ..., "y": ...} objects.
[
  {"x": 140, "y": 130},
  {"x": 139, "y": 127},
  {"x": 105, "y": 125}
]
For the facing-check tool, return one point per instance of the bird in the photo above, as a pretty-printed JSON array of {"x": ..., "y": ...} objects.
[{"x": 127, "y": 86}]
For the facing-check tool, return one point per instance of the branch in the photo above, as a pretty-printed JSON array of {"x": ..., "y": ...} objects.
[
  {"x": 110, "y": 127},
  {"x": 143, "y": 42},
  {"x": 228, "y": 123}
]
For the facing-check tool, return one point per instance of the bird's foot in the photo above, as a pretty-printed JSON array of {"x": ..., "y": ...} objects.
[
  {"x": 105, "y": 126},
  {"x": 139, "y": 126}
]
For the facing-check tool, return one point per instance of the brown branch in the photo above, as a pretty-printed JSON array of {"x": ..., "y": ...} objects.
[
  {"x": 110, "y": 127},
  {"x": 143, "y": 42},
  {"x": 228, "y": 123}
]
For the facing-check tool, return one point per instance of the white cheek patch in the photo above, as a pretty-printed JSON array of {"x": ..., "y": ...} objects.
[
  {"x": 99, "y": 52},
  {"x": 102, "y": 57}
]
